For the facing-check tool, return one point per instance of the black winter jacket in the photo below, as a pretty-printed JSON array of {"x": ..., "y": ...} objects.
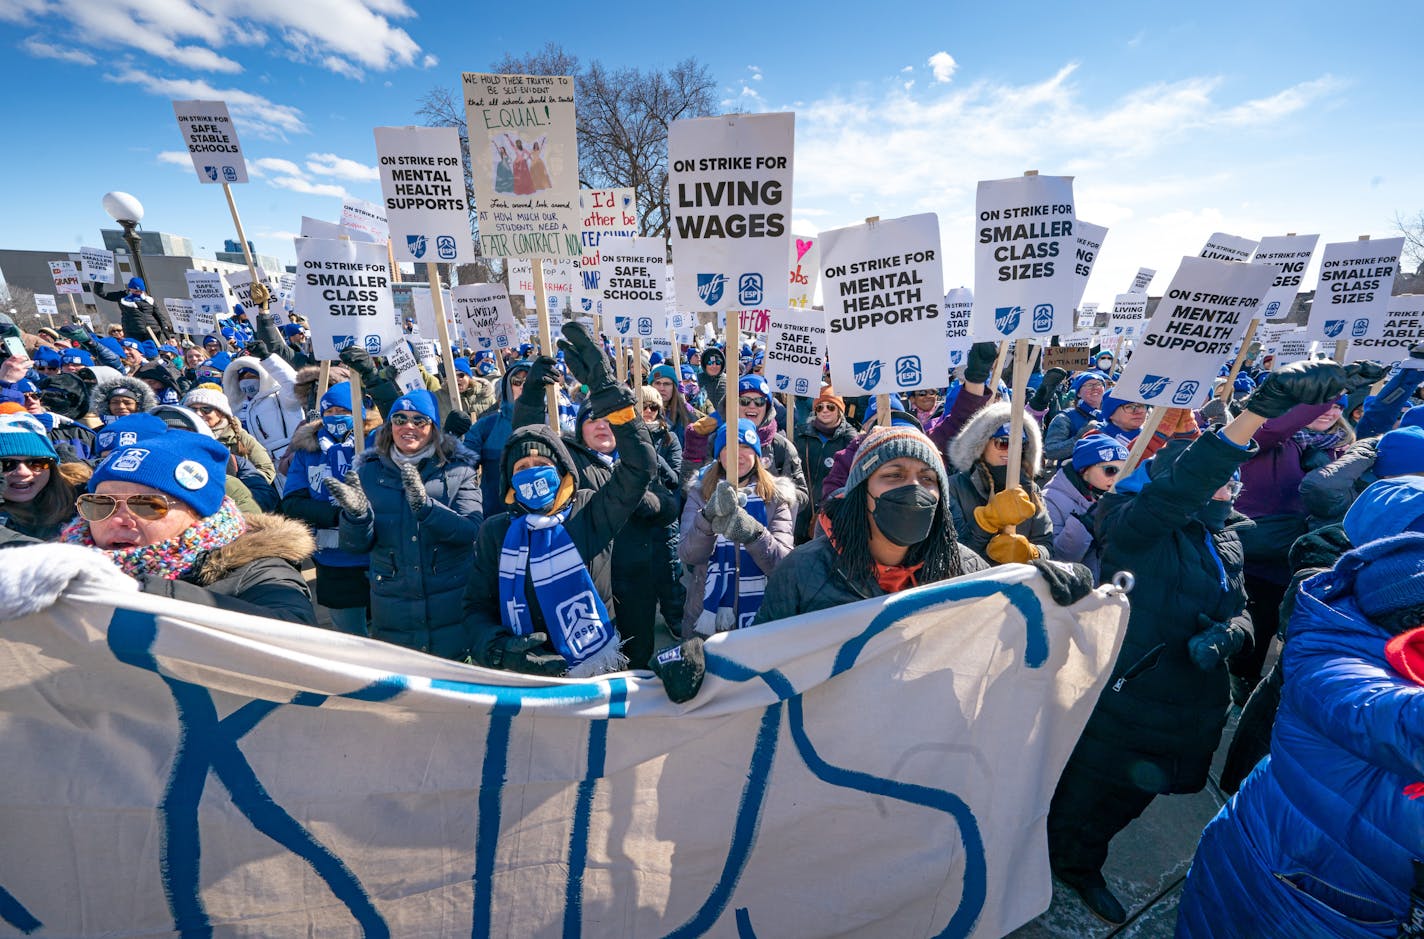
[{"x": 138, "y": 315}]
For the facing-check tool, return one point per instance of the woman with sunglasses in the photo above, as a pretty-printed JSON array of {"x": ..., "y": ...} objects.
[
  {"x": 157, "y": 510},
  {"x": 412, "y": 502},
  {"x": 37, "y": 494},
  {"x": 981, "y": 503},
  {"x": 209, "y": 403},
  {"x": 1073, "y": 493},
  {"x": 1170, "y": 524},
  {"x": 754, "y": 403}
]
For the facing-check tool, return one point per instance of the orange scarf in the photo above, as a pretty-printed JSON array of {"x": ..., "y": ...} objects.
[{"x": 892, "y": 579}]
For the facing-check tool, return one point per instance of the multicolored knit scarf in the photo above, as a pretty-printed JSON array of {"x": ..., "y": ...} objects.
[{"x": 175, "y": 557}]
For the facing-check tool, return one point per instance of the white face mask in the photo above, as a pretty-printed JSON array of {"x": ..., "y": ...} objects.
[{"x": 249, "y": 386}]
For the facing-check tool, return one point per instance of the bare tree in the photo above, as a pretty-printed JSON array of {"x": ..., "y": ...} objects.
[
  {"x": 623, "y": 119},
  {"x": 1412, "y": 228}
]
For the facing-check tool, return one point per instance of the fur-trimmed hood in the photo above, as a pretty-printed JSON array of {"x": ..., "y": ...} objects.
[
  {"x": 304, "y": 437},
  {"x": 969, "y": 443},
  {"x": 308, "y": 377},
  {"x": 267, "y": 536},
  {"x": 266, "y": 384},
  {"x": 138, "y": 390}
]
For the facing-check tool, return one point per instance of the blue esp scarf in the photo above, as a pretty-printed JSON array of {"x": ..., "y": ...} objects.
[
  {"x": 574, "y": 614},
  {"x": 735, "y": 583}
]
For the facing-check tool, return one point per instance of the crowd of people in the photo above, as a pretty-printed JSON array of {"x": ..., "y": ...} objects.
[{"x": 237, "y": 472}]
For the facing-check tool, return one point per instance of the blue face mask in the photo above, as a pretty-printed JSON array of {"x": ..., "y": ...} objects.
[
  {"x": 339, "y": 426},
  {"x": 536, "y": 487}
]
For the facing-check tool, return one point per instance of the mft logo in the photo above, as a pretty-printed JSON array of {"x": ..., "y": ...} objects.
[
  {"x": 710, "y": 287},
  {"x": 1006, "y": 318},
  {"x": 867, "y": 374},
  {"x": 416, "y": 244},
  {"x": 1152, "y": 386}
]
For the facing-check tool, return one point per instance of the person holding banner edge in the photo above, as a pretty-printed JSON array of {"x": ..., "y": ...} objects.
[{"x": 1156, "y": 727}]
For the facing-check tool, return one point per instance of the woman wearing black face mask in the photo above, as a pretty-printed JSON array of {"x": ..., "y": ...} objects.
[{"x": 889, "y": 530}]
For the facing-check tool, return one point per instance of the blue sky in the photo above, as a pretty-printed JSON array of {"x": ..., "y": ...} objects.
[{"x": 1176, "y": 120}]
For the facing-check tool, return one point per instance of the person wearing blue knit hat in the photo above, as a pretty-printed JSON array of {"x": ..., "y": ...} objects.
[
  {"x": 72, "y": 360},
  {"x": 412, "y": 502},
  {"x": 137, "y": 311},
  {"x": 158, "y": 511},
  {"x": 1074, "y": 491},
  {"x": 36, "y": 498}
]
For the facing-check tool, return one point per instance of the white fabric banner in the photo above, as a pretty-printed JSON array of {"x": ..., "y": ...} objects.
[{"x": 880, "y": 769}]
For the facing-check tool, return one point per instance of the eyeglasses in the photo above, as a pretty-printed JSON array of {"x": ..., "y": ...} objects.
[
  {"x": 46, "y": 368},
  {"x": 414, "y": 420},
  {"x": 1134, "y": 408},
  {"x": 96, "y": 508},
  {"x": 32, "y": 395},
  {"x": 756, "y": 402},
  {"x": 1109, "y": 470},
  {"x": 824, "y": 407},
  {"x": 35, "y": 464},
  {"x": 1000, "y": 443},
  {"x": 927, "y": 393},
  {"x": 516, "y": 381},
  {"x": 651, "y": 407}
]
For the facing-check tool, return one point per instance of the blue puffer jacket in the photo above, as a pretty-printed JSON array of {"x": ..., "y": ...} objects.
[
  {"x": 419, "y": 562},
  {"x": 1320, "y": 839}
]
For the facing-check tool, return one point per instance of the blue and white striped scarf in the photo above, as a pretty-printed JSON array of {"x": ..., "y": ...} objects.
[
  {"x": 735, "y": 583},
  {"x": 578, "y": 623}
]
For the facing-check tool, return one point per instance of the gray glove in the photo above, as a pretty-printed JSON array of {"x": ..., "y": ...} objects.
[
  {"x": 739, "y": 527},
  {"x": 1216, "y": 643},
  {"x": 350, "y": 496},
  {"x": 415, "y": 494},
  {"x": 722, "y": 504}
]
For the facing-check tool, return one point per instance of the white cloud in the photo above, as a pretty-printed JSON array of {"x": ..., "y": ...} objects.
[
  {"x": 329, "y": 164},
  {"x": 175, "y": 158},
  {"x": 44, "y": 50},
  {"x": 307, "y": 187},
  {"x": 756, "y": 72},
  {"x": 347, "y": 37},
  {"x": 943, "y": 66},
  {"x": 286, "y": 174},
  {"x": 274, "y": 166},
  {"x": 908, "y": 68},
  {"x": 252, "y": 113}
]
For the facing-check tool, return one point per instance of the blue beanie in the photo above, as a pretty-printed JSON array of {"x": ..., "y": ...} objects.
[
  {"x": 756, "y": 383},
  {"x": 291, "y": 329},
  {"x": 462, "y": 365},
  {"x": 1414, "y": 417},
  {"x": 1082, "y": 378},
  {"x": 746, "y": 433},
  {"x": 896, "y": 404},
  {"x": 420, "y": 401},
  {"x": 1389, "y": 574},
  {"x": 213, "y": 339},
  {"x": 1400, "y": 453},
  {"x": 112, "y": 344},
  {"x": 76, "y": 357},
  {"x": 47, "y": 357},
  {"x": 127, "y": 431},
  {"x": 25, "y": 386},
  {"x": 663, "y": 371},
  {"x": 220, "y": 361},
  {"x": 136, "y": 283},
  {"x": 171, "y": 350},
  {"x": 1386, "y": 508},
  {"x": 337, "y": 396},
  {"x": 1243, "y": 384},
  {"x": 655, "y": 359},
  {"x": 1110, "y": 404},
  {"x": 149, "y": 348},
  {"x": 188, "y": 467},
  {"x": 485, "y": 368},
  {"x": 689, "y": 373},
  {"x": 1092, "y": 449},
  {"x": 18, "y": 438}
]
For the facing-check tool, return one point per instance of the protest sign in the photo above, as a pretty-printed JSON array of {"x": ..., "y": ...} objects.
[
  {"x": 1088, "y": 243},
  {"x": 524, "y": 157},
  {"x": 97, "y": 265},
  {"x": 366, "y": 220},
  {"x": 605, "y": 212},
  {"x": 560, "y": 277},
  {"x": 66, "y": 277},
  {"x": 1141, "y": 281},
  {"x": 406, "y": 366},
  {"x": 205, "y": 289},
  {"x": 423, "y": 187},
  {"x": 344, "y": 291},
  {"x": 958, "y": 307},
  {"x": 1026, "y": 276},
  {"x": 1289, "y": 256},
  {"x": 1071, "y": 358},
  {"x": 1401, "y": 329},
  {"x": 1086, "y": 317},
  {"x": 1223, "y": 247},
  {"x": 484, "y": 311},
  {"x": 1269, "y": 335},
  {"x": 45, "y": 304},
  {"x": 730, "y": 197},
  {"x": 805, "y": 269},
  {"x": 884, "y": 293},
  {"x": 240, "y": 282},
  {"x": 199, "y": 761},
  {"x": 211, "y": 140},
  {"x": 1129, "y": 314},
  {"x": 1193, "y": 331},
  {"x": 329, "y": 231},
  {"x": 286, "y": 287},
  {"x": 1352, "y": 298},
  {"x": 796, "y": 350},
  {"x": 753, "y": 322},
  {"x": 1295, "y": 346},
  {"x": 180, "y": 312},
  {"x": 425, "y": 322},
  {"x": 631, "y": 278}
]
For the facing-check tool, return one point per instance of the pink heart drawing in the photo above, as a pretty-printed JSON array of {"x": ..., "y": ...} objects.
[{"x": 802, "y": 246}]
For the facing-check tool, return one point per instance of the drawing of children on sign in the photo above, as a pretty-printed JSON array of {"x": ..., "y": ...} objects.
[
  {"x": 503, "y": 171},
  {"x": 529, "y": 172}
]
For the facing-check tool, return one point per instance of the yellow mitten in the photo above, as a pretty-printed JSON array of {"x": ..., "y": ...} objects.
[
  {"x": 1005, "y": 510},
  {"x": 1011, "y": 549},
  {"x": 707, "y": 426}
]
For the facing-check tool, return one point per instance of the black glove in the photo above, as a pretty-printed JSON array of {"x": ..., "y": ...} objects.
[
  {"x": 585, "y": 359},
  {"x": 1360, "y": 375},
  {"x": 1416, "y": 353},
  {"x": 980, "y": 363},
  {"x": 1044, "y": 393},
  {"x": 1297, "y": 383},
  {"x": 1216, "y": 643},
  {"x": 259, "y": 349},
  {"x": 543, "y": 375},
  {"x": 457, "y": 423},
  {"x": 609, "y": 399},
  {"x": 1067, "y": 582},
  {"x": 682, "y": 668},
  {"x": 360, "y": 362},
  {"x": 522, "y": 654}
]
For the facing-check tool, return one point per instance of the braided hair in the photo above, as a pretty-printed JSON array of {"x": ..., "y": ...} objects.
[{"x": 850, "y": 531}]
